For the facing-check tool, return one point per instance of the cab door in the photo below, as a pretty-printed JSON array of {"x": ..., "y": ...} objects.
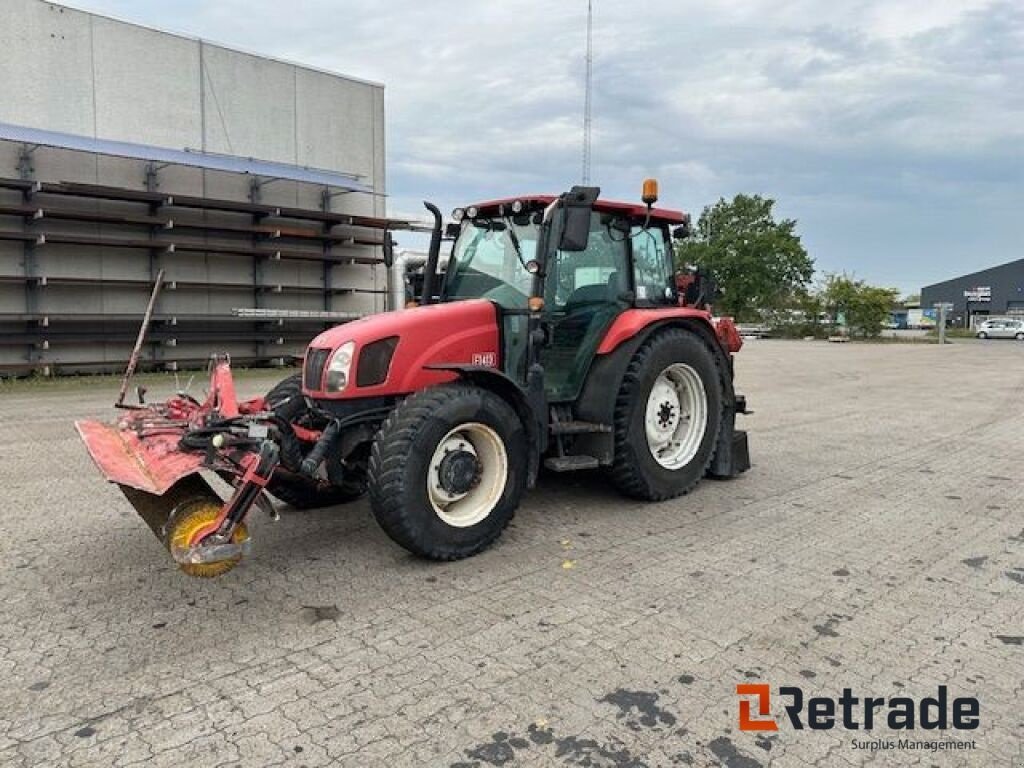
[{"x": 584, "y": 292}]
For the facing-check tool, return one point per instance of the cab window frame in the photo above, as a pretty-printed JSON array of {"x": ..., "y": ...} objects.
[{"x": 668, "y": 295}]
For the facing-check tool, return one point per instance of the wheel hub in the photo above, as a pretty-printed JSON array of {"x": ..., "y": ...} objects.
[
  {"x": 666, "y": 415},
  {"x": 676, "y": 416},
  {"x": 467, "y": 474},
  {"x": 459, "y": 471}
]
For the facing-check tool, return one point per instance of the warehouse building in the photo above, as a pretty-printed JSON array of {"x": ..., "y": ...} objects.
[
  {"x": 256, "y": 186},
  {"x": 994, "y": 292}
]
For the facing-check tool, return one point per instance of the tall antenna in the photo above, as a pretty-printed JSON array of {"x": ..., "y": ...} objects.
[{"x": 589, "y": 88}]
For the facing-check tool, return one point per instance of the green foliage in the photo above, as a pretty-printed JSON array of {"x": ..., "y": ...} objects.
[
  {"x": 758, "y": 263},
  {"x": 864, "y": 308}
]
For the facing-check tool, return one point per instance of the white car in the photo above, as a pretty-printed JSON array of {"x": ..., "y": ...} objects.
[{"x": 1001, "y": 329}]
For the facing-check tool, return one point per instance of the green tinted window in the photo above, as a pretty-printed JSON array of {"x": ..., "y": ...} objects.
[{"x": 653, "y": 277}]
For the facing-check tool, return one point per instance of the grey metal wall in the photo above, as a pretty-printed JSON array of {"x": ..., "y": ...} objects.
[
  {"x": 1006, "y": 282},
  {"x": 66, "y": 70}
]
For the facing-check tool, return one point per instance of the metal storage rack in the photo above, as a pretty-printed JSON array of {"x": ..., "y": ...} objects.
[{"x": 161, "y": 225}]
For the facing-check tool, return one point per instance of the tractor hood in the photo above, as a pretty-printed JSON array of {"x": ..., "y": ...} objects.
[{"x": 392, "y": 353}]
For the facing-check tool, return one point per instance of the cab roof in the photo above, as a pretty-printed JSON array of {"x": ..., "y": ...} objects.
[{"x": 633, "y": 210}]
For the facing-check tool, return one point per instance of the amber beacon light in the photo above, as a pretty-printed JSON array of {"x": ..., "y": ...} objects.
[{"x": 650, "y": 192}]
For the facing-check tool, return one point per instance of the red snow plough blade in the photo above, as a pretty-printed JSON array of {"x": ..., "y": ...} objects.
[{"x": 129, "y": 453}]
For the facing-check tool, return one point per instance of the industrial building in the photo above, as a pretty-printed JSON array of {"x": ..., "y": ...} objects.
[
  {"x": 994, "y": 292},
  {"x": 256, "y": 185}
]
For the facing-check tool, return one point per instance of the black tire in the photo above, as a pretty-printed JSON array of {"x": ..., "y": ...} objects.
[
  {"x": 635, "y": 471},
  {"x": 1019, "y": 337},
  {"x": 298, "y": 491},
  {"x": 285, "y": 399},
  {"x": 982, "y": 335},
  {"x": 400, "y": 462}
]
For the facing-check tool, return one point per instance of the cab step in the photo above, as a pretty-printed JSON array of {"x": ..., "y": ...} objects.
[
  {"x": 577, "y": 427},
  {"x": 571, "y": 463}
]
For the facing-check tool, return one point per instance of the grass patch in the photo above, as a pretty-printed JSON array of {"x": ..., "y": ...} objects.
[{"x": 150, "y": 379}]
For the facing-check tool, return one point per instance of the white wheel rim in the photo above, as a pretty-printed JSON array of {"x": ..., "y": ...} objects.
[
  {"x": 676, "y": 416},
  {"x": 462, "y": 510}
]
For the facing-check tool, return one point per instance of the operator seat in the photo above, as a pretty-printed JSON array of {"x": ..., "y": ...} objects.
[{"x": 576, "y": 334}]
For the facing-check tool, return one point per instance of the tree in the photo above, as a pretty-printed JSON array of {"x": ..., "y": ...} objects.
[
  {"x": 864, "y": 308},
  {"x": 757, "y": 263}
]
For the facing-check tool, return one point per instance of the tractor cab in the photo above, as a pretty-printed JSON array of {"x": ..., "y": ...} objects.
[{"x": 617, "y": 256}]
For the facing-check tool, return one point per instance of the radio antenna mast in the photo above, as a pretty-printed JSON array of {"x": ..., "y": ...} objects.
[{"x": 589, "y": 88}]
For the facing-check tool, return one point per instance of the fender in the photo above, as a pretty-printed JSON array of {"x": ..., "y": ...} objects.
[
  {"x": 507, "y": 388},
  {"x": 633, "y": 321}
]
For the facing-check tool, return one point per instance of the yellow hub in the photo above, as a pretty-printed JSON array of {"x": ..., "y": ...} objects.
[{"x": 189, "y": 519}]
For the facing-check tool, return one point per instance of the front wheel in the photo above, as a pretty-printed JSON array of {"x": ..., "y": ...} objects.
[
  {"x": 1019, "y": 337},
  {"x": 447, "y": 471},
  {"x": 667, "y": 417}
]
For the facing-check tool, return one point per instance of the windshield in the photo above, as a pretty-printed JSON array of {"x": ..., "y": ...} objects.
[{"x": 489, "y": 258}]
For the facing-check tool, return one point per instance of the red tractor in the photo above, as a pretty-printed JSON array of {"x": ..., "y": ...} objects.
[{"x": 556, "y": 334}]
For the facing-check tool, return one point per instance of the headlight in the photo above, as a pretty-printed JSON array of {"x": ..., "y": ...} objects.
[{"x": 338, "y": 368}]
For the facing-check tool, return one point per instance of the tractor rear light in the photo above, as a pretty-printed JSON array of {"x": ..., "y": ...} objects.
[
  {"x": 458, "y": 215},
  {"x": 472, "y": 212},
  {"x": 517, "y": 206},
  {"x": 536, "y": 304},
  {"x": 338, "y": 368}
]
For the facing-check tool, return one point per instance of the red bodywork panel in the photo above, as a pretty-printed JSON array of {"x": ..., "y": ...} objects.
[
  {"x": 460, "y": 332},
  {"x": 637, "y": 210},
  {"x": 633, "y": 321}
]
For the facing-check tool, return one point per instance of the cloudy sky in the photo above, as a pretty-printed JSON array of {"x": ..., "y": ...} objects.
[{"x": 892, "y": 130}]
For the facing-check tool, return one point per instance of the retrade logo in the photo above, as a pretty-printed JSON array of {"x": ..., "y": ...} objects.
[
  {"x": 822, "y": 713},
  {"x": 764, "y": 707}
]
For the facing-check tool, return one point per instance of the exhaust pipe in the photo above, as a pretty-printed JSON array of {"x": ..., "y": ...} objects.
[
  {"x": 402, "y": 262},
  {"x": 430, "y": 271}
]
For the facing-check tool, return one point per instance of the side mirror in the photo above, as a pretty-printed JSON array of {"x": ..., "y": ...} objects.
[
  {"x": 577, "y": 205},
  {"x": 452, "y": 229},
  {"x": 682, "y": 232}
]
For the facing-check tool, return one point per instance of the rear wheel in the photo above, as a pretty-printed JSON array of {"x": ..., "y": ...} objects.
[
  {"x": 447, "y": 471},
  {"x": 982, "y": 335},
  {"x": 667, "y": 417},
  {"x": 296, "y": 490}
]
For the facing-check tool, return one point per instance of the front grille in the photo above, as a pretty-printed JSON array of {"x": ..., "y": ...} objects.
[{"x": 313, "y": 369}]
